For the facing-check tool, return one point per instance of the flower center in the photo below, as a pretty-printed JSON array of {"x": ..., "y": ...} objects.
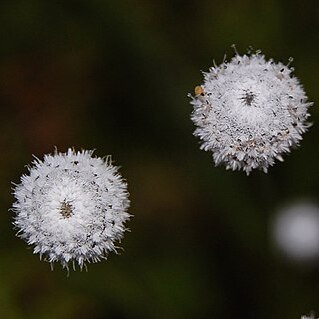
[
  {"x": 248, "y": 98},
  {"x": 66, "y": 209}
]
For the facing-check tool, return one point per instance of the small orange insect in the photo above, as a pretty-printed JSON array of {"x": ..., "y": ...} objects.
[{"x": 199, "y": 90}]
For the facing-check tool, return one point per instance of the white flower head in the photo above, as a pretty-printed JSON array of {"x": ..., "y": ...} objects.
[
  {"x": 249, "y": 111},
  {"x": 295, "y": 231},
  {"x": 71, "y": 207}
]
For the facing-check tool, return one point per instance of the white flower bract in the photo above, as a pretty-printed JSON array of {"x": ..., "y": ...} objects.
[
  {"x": 71, "y": 207},
  {"x": 249, "y": 111}
]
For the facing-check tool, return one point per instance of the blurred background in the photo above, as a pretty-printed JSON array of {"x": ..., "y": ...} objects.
[{"x": 114, "y": 76}]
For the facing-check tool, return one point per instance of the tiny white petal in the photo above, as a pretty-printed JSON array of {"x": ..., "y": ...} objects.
[
  {"x": 71, "y": 207},
  {"x": 249, "y": 111}
]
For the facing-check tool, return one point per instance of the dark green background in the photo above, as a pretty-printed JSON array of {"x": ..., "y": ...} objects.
[{"x": 114, "y": 76}]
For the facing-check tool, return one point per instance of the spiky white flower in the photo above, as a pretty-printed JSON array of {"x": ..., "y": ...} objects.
[
  {"x": 71, "y": 207},
  {"x": 249, "y": 111}
]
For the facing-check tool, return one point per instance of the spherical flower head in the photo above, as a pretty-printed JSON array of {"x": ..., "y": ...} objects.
[
  {"x": 295, "y": 231},
  {"x": 249, "y": 111},
  {"x": 71, "y": 207}
]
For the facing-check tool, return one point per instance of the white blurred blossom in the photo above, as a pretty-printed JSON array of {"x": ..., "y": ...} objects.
[
  {"x": 296, "y": 231},
  {"x": 71, "y": 207},
  {"x": 249, "y": 111}
]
